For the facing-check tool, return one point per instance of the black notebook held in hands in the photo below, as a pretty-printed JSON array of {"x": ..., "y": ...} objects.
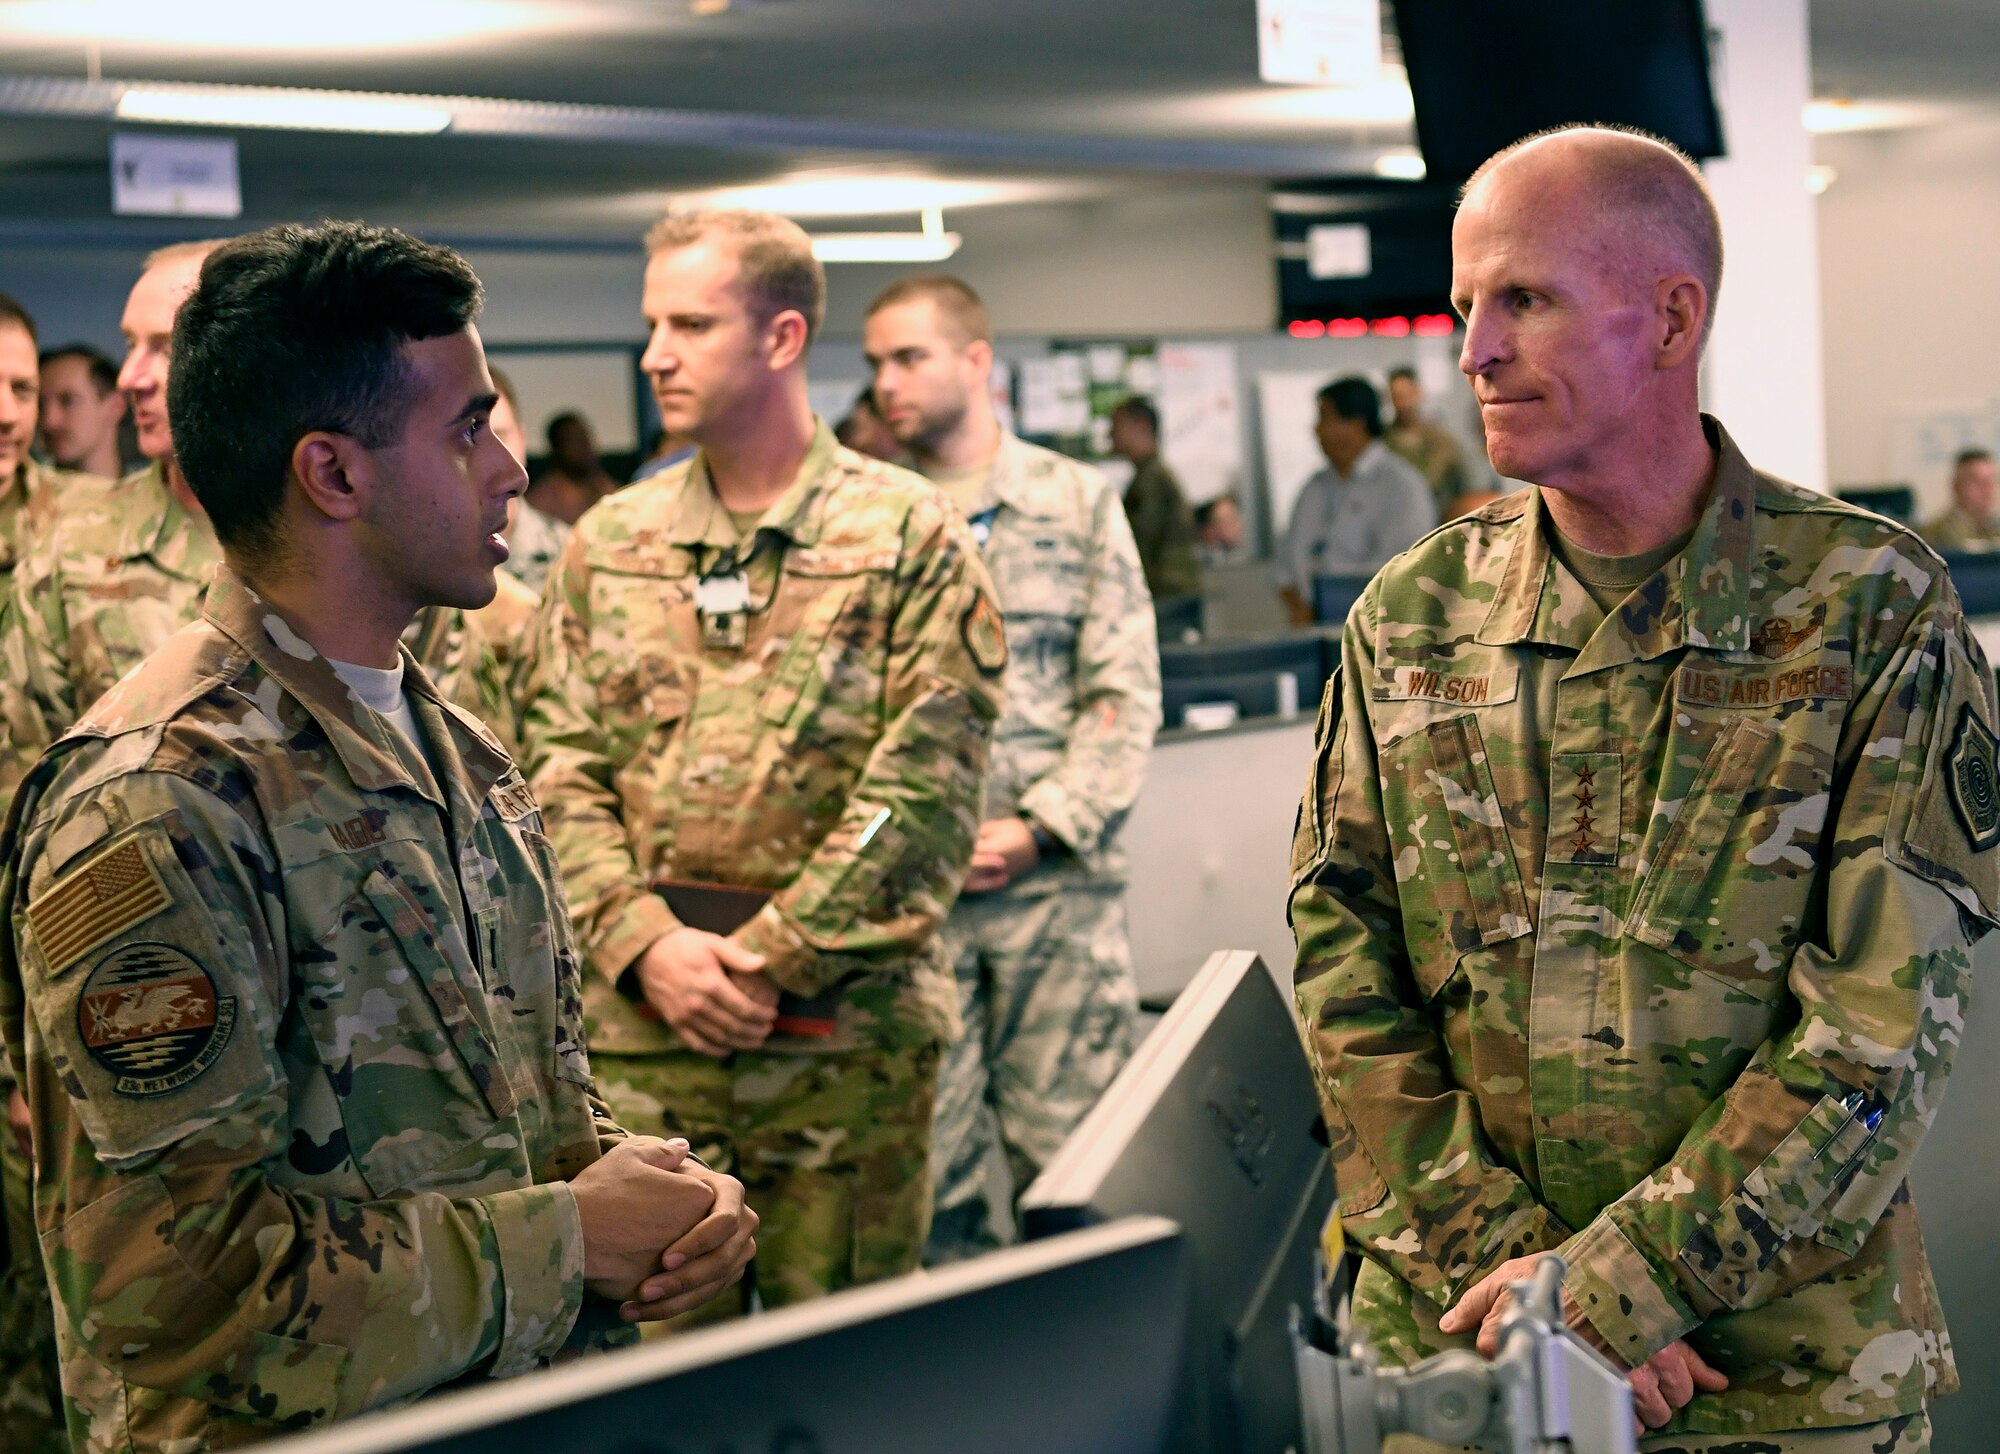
[{"x": 723, "y": 909}]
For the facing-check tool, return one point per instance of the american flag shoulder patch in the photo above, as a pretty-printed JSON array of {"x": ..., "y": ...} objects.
[{"x": 95, "y": 901}]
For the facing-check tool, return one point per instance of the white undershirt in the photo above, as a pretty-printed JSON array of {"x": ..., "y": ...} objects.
[{"x": 383, "y": 690}]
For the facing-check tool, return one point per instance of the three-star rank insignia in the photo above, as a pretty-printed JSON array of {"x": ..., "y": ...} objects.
[
  {"x": 1973, "y": 776},
  {"x": 985, "y": 635}
]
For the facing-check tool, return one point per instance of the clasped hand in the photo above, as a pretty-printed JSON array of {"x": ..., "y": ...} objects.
[
  {"x": 1004, "y": 850},
  {"x": 710, "y": 989},
  {"x": 661, "y": 1233},
  {"x": 1661, "y": 1386}
]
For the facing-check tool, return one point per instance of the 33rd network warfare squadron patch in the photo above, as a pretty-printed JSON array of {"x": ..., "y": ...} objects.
[
  {"x": 150, "y": 1015},
  {"x": 1974, "y": 772},
  {"x": 985, "y": 635}
]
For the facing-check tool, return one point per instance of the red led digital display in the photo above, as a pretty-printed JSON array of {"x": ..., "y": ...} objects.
[{"x": 1425, "y": 325}]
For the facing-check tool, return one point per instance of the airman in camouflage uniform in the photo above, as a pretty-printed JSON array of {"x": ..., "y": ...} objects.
[
  {"x": 797, "y": 699},
  {"x": 27, "y": 490},
  {"x": 30, "y": 495},
  {"x": 291, "y": 1016},
  {"x": 1639, "y": 928},
  {"x": 126, "y": 568},
  {"x": 120, "y": 571},
  {"x": 1039, "y": 940},
  {"x": 301, "y": 1039}
]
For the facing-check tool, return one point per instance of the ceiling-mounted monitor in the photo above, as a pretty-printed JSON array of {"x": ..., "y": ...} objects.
[{"x": 1484, "y": 75}]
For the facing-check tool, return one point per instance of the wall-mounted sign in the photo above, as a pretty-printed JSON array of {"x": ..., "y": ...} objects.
[
  {"x": 1339, "y": 250},
  {"x": 1319, "y": 42},
  {"x": 174, "y": 176}
]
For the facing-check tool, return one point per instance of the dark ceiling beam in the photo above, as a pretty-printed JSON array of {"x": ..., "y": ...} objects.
[{"x": 52, "y": 97}]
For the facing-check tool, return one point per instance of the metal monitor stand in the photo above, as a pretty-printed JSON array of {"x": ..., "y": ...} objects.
[{"x": 1545, "y": 1392}]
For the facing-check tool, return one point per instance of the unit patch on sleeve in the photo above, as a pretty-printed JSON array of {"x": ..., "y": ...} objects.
[
  {"x": 985, "y": 636},
  {"x": 1973, "y": 771},
  {"x": 150, "y": 1015},
  {"x": 105, "y": 897}
]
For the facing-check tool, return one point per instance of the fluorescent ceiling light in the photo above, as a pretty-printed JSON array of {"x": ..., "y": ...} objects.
[
  {"x": 859, "y": 193},
  {"x": 932, "y": 245},
  {"x": 1401, "y": 166},
  {"x": 1383, "y": 102},
  {"x": 1827, "y": 116},
  {"x": 350, "y": 25},
  {"x": 281, "y": 109}
]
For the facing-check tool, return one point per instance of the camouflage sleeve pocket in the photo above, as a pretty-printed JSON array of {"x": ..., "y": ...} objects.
[
  {"x": 1782, "y": 1199},
  {"x": 1309, "y": 829},
  {"x": 135, "y": 1279},
  {"x": 139, "y": 998},
  {"x": 1944, "y": 824}
]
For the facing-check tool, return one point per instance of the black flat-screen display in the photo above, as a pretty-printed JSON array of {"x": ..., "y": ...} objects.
[
  {"x": 1069, "y": 1346},
  {"x": 1215, "y": 1123},
  {"x": 1484, "y": 75}
]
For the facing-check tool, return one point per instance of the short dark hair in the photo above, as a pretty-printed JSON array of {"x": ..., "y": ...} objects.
[
  {"x": 103, "y": 372},
  {"x": 12, "y": 312},
  {"x": 1972, "y": 455},
  {"x": 1140, "y": 408},
  {"x": 1353, "y": 397},
  {"x": 296, "y": 329},
  {"x": 568, "y": 416},
  {"x": 1402, "y": 371}
]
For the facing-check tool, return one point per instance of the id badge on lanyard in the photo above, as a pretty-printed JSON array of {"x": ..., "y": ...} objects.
[{"x": 722, "y": 601}]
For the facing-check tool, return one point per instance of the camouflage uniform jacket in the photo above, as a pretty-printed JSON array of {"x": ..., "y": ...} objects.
[
  {"x": 1083, "y": 674},
  {"x": 1957, "y": 530},
  {"x": 1646, "y": 938},
  {"x": 30, "y": 502},
  {"x": 303, "y": 1043},
  {"x": 836, "y": 756},
  {"x": 118, "y": 572}
]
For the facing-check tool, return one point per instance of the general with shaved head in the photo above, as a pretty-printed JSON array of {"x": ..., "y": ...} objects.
[{"x": 1652, "y": 820}]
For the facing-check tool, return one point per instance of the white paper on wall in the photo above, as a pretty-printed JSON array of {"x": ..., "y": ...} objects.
[{"x": 1201, "y": 417}]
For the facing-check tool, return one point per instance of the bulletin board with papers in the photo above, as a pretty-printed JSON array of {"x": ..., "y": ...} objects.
[{"x": 1064, "y": 400}]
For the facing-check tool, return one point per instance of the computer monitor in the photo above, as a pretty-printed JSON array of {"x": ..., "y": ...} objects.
[
  {"x": 1179, "y": 618},
  {"x": 1334, "y": 597},
  {"x": 1635, "y": 62},
  {"x": 1214, "y": 1123},
  {"x": 1249, "y": 673},
  {"x": 1066, "y": 1346},
  {"x": 1976, "y": 573},
  {"x": 1898, "y": 502}
]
